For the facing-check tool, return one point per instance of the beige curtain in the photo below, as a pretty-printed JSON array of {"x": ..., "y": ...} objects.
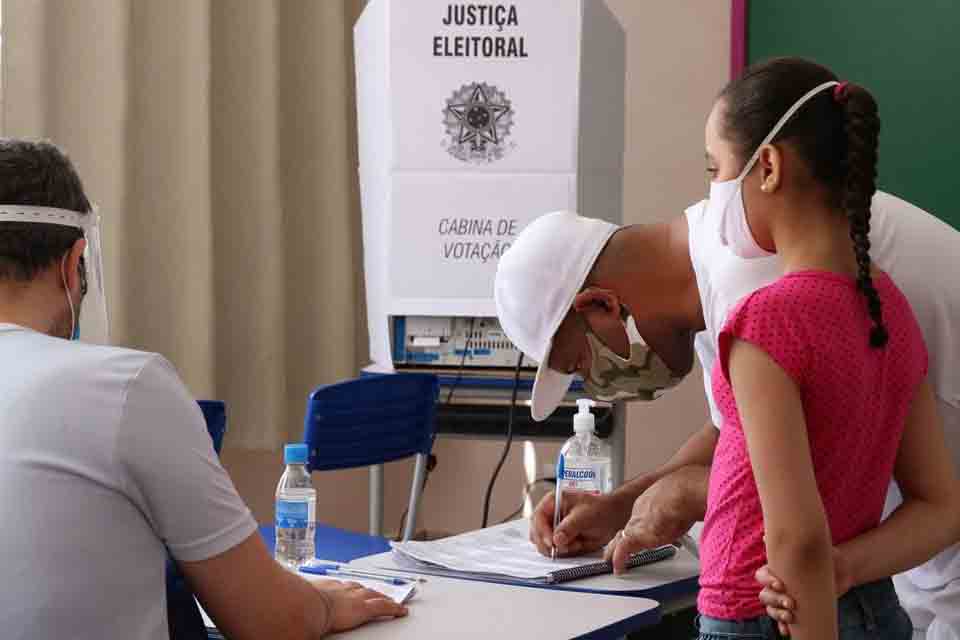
[{"x": 218, "y": 138}]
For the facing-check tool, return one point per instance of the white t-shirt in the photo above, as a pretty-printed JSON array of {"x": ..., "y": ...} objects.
[
  {"x": 104, "y": 458},
  {"x": 922, "y": 255}
]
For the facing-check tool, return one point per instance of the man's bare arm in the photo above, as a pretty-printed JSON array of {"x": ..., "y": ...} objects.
[
  {"x": 697, "y": 451},
  {"x": 675, "y": 496},
  {"x": 249, "y": 595}
]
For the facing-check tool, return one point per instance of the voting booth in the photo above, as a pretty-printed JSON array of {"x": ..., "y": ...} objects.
[{"x": 474, "y": 119}]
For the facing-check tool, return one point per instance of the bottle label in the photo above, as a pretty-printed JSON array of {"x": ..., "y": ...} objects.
[
  {"x": 584, "y": 475},
  {"x": 580, "y": 474},
  {"x": 293, "y": 514}
]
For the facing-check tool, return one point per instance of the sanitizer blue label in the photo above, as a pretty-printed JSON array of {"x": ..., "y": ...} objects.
[
  {"x": 583, "y": 474},
  {"x": 579, "y": 474},
  {"x": 292, "y": 514}
]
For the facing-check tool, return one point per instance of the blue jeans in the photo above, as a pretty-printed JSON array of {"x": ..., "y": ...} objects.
[{"x": 869, "y": 611}]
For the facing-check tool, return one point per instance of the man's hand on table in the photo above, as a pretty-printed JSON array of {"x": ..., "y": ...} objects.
[
  {"x": 589, "y": 522},
  {"x": 352, "y": 605},
  {"x": 661, "y": 515}
]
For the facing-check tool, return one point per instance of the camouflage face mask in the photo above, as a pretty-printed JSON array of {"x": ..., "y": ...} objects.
[{"x": 642, "y": 376}]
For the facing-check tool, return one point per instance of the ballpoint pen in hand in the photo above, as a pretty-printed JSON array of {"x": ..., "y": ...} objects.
[
  {"x": 556, "y": 523},
  {"x": 556, "y": 507}
]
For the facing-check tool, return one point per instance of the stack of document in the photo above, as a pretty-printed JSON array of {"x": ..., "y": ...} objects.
[{"x": 505, "y": 552}]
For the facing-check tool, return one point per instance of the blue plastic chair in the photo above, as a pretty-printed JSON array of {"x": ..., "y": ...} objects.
[
  {"x": 215, "y": 413},
  {"x": 184, "y": 621},
  {"x": 373, "y": 420}
]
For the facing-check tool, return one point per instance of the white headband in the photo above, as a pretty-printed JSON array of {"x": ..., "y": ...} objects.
[{"x": 49, "y": 215}]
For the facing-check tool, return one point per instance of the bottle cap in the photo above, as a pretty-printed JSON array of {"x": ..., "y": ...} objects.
[
  {"x": 295, "y": 454},
  {"x": 583, "y": 420}
]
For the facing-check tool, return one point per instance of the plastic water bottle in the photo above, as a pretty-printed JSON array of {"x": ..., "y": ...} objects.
[
  {"x": 585, "y": 460},
  {"x": 296, "y": 510}
]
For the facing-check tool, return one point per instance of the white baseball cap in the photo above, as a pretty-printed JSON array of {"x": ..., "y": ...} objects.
[{"x": 537, "y": 280}]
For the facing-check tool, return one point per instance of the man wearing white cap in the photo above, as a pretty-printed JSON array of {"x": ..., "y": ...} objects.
[
  {"x": 626, "y": 308},
  {"x": 579, "y": 298},
  {"x": 105, "y": 460}
]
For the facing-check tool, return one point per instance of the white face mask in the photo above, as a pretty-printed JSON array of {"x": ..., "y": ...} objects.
[
  {"x": 725, "y": 205},
  {"x": 93, "y": 314}
]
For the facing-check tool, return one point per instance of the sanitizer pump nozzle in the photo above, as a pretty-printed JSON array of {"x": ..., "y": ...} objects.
[{"x": 584, "y": 420}]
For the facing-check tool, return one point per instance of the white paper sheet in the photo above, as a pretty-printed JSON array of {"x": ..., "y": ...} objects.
[
  {"x": 504, "y": 550},
  {"x": 401, "y": 594}
]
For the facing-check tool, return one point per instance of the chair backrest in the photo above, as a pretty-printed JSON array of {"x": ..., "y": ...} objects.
[
  {"x": 215, "y": 413},
  {"x": 184, "y": 621},
  {"x": 370, "y": 420}
]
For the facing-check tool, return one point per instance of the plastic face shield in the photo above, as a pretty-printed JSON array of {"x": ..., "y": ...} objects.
[{"x": 93, "y": 321}]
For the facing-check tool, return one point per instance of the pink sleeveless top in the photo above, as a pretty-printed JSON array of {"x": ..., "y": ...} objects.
[{"x": 814, "y": 324}]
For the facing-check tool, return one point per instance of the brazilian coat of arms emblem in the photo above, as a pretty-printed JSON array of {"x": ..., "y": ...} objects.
[{"x": 478, "y": 119}]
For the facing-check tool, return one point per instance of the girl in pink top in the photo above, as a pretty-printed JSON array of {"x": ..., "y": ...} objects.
[{"x": 821, "y": 377}]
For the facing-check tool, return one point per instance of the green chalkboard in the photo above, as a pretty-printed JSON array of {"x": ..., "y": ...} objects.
[{"x": 907, "y": 52}]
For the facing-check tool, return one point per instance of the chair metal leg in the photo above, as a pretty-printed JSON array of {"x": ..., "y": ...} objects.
[
  {"x": 376, "y": 500},
  {"x": 419, "y": 473}
]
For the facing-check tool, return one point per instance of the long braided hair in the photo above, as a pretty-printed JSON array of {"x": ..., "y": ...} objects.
[
  {"x": 836, "y": 133},
  {"x": 862, "y": 126}
]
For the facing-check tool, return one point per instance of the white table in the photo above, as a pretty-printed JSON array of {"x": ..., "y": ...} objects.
[
  {"x": 671, "y": 583},
  {"x": 449, "y": 608},
  {"x": 597, "y": 608}
]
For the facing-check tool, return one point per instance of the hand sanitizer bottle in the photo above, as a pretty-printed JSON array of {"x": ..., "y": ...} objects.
[{"x": 584, "y": 463}]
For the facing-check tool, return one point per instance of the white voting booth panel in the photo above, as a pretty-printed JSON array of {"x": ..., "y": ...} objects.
[{"x": 474, "y": 119}]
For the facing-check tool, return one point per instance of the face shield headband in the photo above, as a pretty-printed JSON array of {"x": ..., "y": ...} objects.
[{"x": 93, "y": 314}]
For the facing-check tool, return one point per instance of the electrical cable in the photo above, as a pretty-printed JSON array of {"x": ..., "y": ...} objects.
[
  {"x": 463, "y": 361},
  {"x": 506, "y": 445}
]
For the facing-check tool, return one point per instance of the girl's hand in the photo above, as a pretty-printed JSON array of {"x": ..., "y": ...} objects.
[{"x": 780, "y": 605}]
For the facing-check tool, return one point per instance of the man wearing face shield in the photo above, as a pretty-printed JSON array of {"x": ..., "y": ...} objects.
[
  {"x": 567, "y": 275},
  {"x": 105, "y": 460}
]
